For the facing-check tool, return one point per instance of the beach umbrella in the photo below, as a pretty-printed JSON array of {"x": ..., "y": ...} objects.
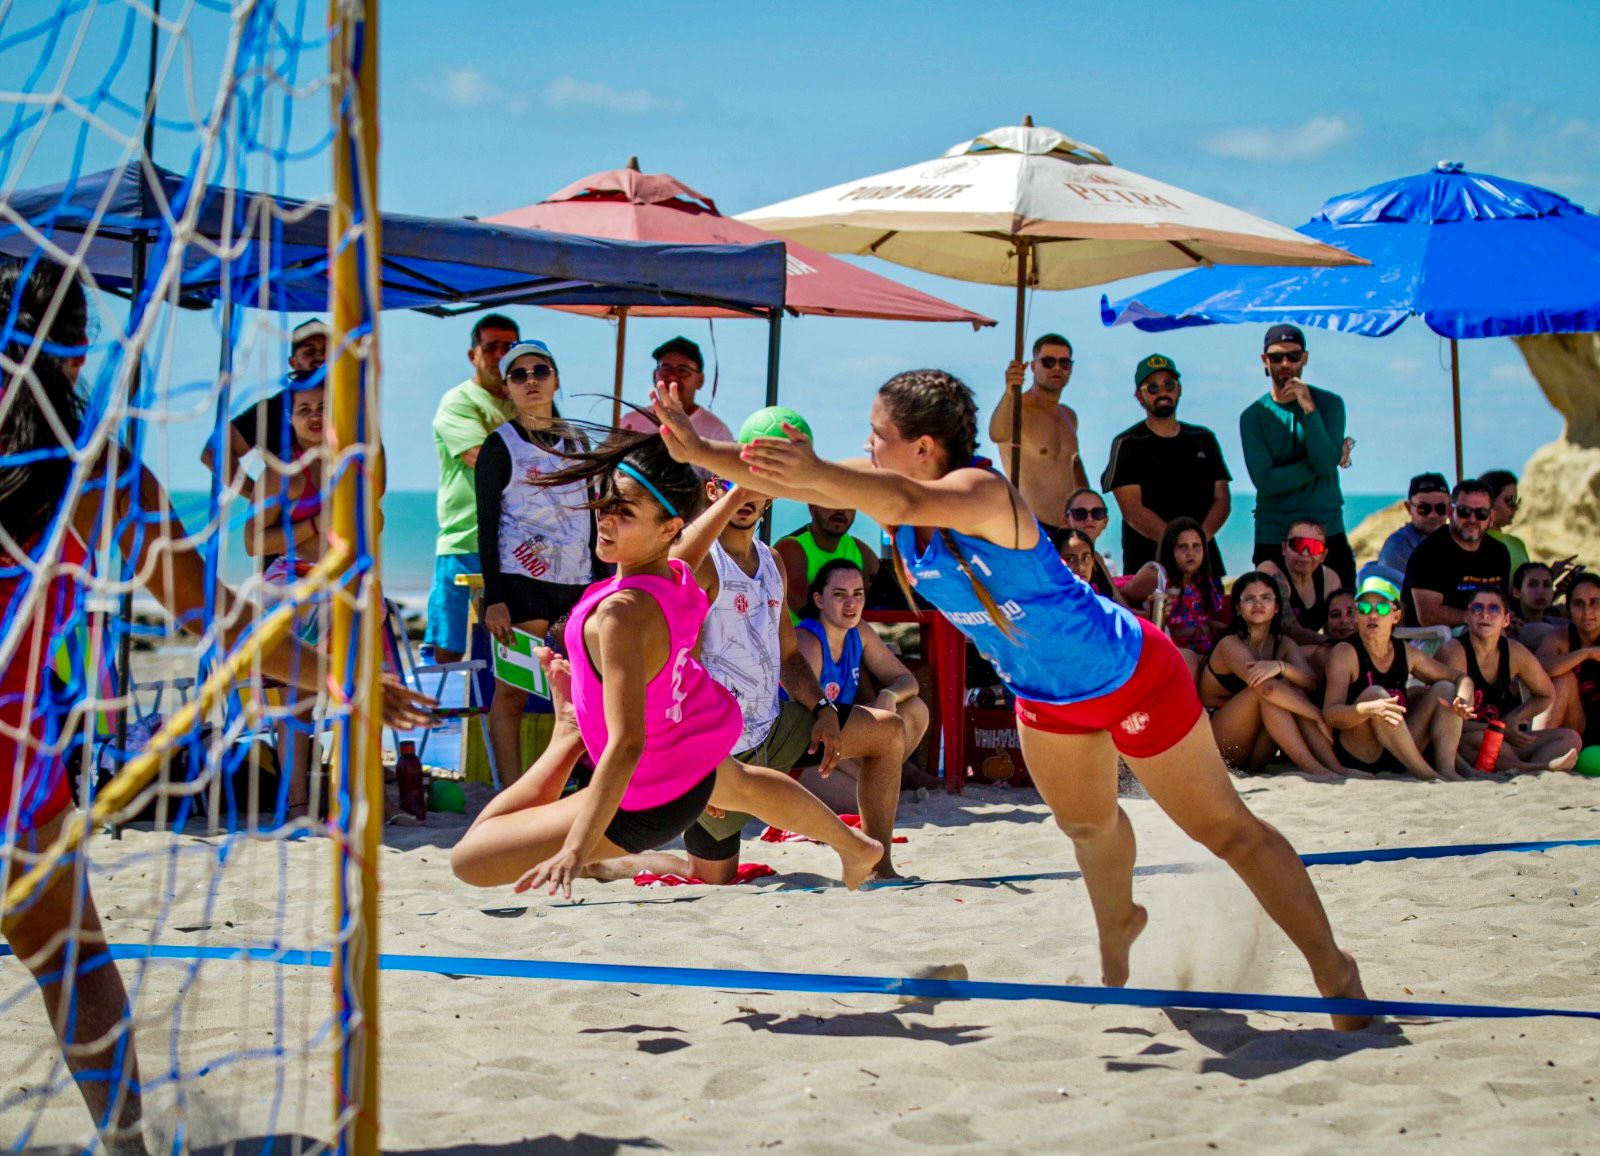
[
  {"x": 631, "y": 205},
  {"x": 1029, "y": 206},
  {"x": 1472, "y": 254}
]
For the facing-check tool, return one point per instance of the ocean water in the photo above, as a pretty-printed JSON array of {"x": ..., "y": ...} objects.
[{"x": 410, "y": 525}]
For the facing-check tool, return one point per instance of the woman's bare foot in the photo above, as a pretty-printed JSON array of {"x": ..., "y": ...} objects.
[
  {"x": 1345, "y": 984},
  {"x": 859, "y": 857},
  {"x": 1356, "y": 773},
  {"x": 1565, "y": 763},
  {"x": 1116, "y": 947}
]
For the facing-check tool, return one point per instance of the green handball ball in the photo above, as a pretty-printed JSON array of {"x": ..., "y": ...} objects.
[{"x": 769, "y": 423}]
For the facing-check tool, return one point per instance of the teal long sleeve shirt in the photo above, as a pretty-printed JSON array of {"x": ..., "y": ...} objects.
[{"x": 1293, "y": 459}]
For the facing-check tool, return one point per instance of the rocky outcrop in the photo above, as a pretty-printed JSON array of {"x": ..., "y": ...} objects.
[{"x": 1560, "y": 485}]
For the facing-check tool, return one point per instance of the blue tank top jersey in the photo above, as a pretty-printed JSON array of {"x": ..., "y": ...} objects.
[
  {"x": 1070, "y": 645},
  {"x": 841, "y": 679}
]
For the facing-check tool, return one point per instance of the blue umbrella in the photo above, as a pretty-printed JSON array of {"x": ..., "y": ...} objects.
[{"x": 1473, "y": 255}]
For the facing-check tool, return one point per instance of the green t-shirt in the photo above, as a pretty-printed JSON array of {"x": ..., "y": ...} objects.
[
  {"x": 1293, "y": 459},
  {"x": 467, "y": 414},
  {"x": 1517, "y": 548}
]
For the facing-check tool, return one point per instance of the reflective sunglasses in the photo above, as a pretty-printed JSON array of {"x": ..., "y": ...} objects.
[
  {"x": 1052, "y": 362},
  {"x": 1280, "y": 358},
  {"x": 722, "y": 484},
  {"x": 1481, "y": 513},
  {"x": 1308, "y": 547},
  {"x": 1381, "y": 609},
  {"x": 1486, "y": 609},
  {"x": 1088, "y": 514},
  {"x": 1152, "y": 386},
  {"x": 1426, "y": 508},
  {"x": 521, "y": 376}
]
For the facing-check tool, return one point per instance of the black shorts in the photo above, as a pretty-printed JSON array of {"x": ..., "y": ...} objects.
[
  {"x": 636, "y": 831},
  {"x": 1385, "y": 764},
  {"x": 532, "y": 600}
]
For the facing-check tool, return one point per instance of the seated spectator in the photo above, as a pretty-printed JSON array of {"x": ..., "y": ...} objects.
[
  {"x": 1455, "y": 560},
  {"x": 1190, "y": 609},
  {"x": 1379, "y": 724},
  {"x": 1254, "y": 685},
  {"x": 1077, "y": 551},
  {"x": 1510, "y": 686},
  {"x": 1340, "y": 627},
  {"x": 1503, "y": 487},
  {"x": 805, "y": 552},
  {"x": 266, "y": 426},
  {"x": 1306, "y": 582},
  {"x": 1533, "y": 589},
  {"x": 680, "y": 362},
  {"x": 1087, "y": 512},
  {"x": 1571, "y": 658},
  {"x": 1428, "y": 506},
  {"x": 839, "y": 649}
]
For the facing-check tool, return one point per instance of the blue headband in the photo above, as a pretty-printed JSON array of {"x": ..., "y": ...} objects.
[{"x": 672, "y": 511}]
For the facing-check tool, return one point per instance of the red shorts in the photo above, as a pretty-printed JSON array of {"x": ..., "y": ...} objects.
[{"x": 1145, "y": 716}]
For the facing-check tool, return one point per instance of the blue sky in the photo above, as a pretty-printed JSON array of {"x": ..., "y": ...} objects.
[{"x": 1269, "y": 107}]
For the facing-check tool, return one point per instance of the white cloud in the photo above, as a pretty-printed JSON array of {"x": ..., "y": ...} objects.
[
  {"x": 1302, "y": 142},
  {"x": 1404, "y": 366},
  {"x": 570, "y": 92},
  {"x": 1511, "y": 374},
  {"x": 468, "y": 87}
]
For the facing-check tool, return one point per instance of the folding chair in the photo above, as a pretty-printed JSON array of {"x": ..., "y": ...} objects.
[{"x": 401, "y": 659}]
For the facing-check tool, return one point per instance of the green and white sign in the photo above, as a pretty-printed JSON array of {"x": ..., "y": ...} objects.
[{"x": 515, "y": 665}]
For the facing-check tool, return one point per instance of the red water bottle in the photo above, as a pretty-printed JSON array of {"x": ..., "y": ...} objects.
[
  {"x": 1493, "y": 736},
  {"x": 409, "y": 782}
]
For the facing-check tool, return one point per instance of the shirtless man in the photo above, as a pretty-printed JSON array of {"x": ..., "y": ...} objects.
[{"x": 1050, "y": 467}]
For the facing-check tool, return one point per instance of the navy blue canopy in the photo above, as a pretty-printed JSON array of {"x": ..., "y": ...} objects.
[
  {"x": 282, "y": 243},
  {"x": 1474, "y": 255}
]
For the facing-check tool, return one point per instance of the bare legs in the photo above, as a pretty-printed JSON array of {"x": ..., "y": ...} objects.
[
  {"x": 776, "y": 799},
  {"x": 1426, "y": 722},
  {"x": 505, "y": 731},
  {"x": 1077, "y": 776},
  {"x": 59, "y": 939},
  {"x": 1241, "y": 723}
]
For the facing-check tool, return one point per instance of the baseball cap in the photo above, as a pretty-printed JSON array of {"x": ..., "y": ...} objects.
[
  {"x": 1282, "y": 333},
  {"x": 306, "y": 330},
  {"x": 1152, "y": 363},
  {"x": 1378, "y": 587},
  {"x": 522, "y": 349},
  {"x": 684, "y": 346},
  {"x": 1429, "y": 483}
]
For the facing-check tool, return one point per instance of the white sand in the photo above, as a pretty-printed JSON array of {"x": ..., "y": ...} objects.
[{"x": 491, "y": 1066}]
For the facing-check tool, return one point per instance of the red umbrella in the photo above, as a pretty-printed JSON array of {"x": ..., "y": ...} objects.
[{"x": 625, "y": 204}]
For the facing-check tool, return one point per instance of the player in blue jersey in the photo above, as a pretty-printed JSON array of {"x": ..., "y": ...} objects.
[{"x": 1091, "y": 679}]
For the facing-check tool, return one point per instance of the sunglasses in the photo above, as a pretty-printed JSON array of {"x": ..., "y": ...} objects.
[
  {"x": 1381, "y": 609},
  {"x": 722, "y": 484},
  {"x": 1155, "y": 387},
  {"x": 1486, "y": 609},
  {"x": 520, "y": 376},
  {"x": 1308, "y": 547},
  {"x": 1426, "y": 508},
  {"x": 1052, "y": 362},
  {"x": 1481, "y": 513},
  {"x": 1280, "y": 358},
  {"x": 1088, "y": 514}
]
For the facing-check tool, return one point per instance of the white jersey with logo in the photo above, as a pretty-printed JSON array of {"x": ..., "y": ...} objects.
[
  {"x": 544, "y": 532},
  {"x": 739, "y": 641}
]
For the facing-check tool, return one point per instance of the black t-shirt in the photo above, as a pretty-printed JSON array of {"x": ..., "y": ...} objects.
[
  {"x": 265, "y": 425},
  {"x": 1439, "y": 564},
  {"x": 1177, "y": 477}
]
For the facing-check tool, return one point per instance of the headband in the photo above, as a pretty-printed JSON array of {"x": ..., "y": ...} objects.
[{"x": 672, "y": 511}]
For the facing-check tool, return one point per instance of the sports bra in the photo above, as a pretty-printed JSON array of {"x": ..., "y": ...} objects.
[
  {"x": 1235, "y": 683},
  {"x": 1393, "y": 680},
  {"x": 841, "y": 677},
  {"x": 690, "y": 723},
  {"x": 1497, "y": 699},
  {"x": 1588, "y": 676}
]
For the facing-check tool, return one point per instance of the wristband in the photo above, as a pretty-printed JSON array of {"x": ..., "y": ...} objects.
[{"x": 825, "y": 703}]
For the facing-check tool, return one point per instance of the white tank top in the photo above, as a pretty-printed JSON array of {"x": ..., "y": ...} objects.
[
  {"x": 544, "y": 533},
  {"x": 739, "y": 641}
]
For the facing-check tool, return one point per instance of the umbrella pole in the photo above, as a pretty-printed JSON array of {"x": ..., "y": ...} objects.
[
  {"x": 1455, "y": 398},
  {"x": 774, "y": 345},
  {"x": 616, "y": 381},
  {"x": 1016, "y": 355}
]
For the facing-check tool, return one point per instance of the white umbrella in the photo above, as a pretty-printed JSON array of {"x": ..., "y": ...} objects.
[{"x": 1031, "y": 207}]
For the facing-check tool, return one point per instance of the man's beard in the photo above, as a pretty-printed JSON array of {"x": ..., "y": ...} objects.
[{"x": 1164, "y": 408}]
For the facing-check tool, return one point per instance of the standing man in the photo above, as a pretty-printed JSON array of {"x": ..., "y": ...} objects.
[
  {"x": 1294, "y": 445},
  {"x": 466, "y": 416},
  {"x": 1428, "y": 506},
  {"x": 1050, "y": 468},
  {"x": 680, "y": 362},
  {"x": 1163, "y": 469},
  {"x": 1455, "y": 562},
  {"x": 808, "y": 550},
  {"x": 265, "y": 425}
]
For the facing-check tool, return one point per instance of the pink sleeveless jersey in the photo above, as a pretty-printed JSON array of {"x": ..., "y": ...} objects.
[{"x": 690, "y": 723}]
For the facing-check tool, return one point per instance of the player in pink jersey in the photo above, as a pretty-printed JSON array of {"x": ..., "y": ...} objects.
[{"x": 659, "y": 729}]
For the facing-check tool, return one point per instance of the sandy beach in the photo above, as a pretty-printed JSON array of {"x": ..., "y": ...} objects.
[{"x": 479, "y": 1065}]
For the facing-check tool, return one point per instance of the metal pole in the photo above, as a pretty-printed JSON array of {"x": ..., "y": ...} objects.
[
  {"x": 616, "y": 384},
  {"x": 1455, "y": 398},
  {"x": 1016, "y": 355},
  {"x": 774, "y": 348},
  {"x": 358, "y": 606}
]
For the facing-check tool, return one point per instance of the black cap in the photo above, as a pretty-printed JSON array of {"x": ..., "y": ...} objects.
[
  {"x": 1433, "y": 483},
  {"x": 684, "y": 346},
  {"x": 1281, "y": 333}
]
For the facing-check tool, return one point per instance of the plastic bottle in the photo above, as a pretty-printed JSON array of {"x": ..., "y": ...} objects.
[
  {"x": 1493, "y": 736},
  {"x": 409, "y": 782}
]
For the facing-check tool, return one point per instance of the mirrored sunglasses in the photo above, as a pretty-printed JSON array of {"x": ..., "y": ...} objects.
[
  {"x": 1308, "y": 547},
  {"x": 1381, "y": 609}
]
